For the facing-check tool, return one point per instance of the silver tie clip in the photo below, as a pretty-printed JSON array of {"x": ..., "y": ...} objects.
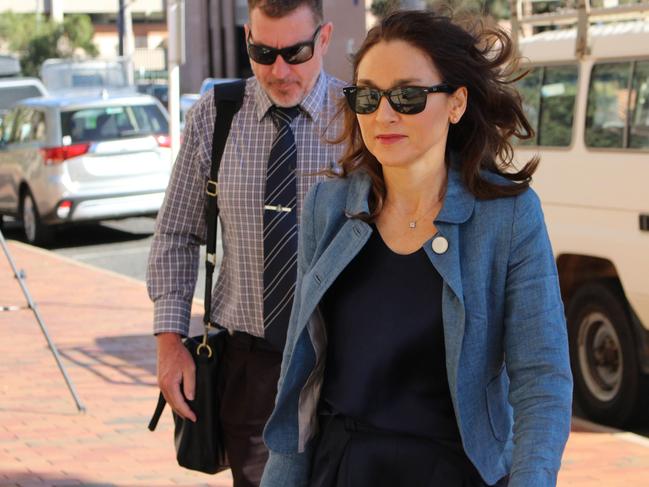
[{"x": 278, "y": 208}]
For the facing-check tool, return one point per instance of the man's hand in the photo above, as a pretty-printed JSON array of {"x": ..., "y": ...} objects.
[{"x": 175, "y": 366}]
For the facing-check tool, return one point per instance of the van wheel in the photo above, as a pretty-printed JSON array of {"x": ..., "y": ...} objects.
[
  {"x": 36, "y": 232},
  {"x": 609, "y": 385}
]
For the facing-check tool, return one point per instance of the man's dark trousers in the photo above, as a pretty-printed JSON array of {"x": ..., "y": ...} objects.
[{"x": 248, "y": 387}]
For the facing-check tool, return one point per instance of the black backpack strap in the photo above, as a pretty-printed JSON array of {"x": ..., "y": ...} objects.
[{"x": 228, "y": 98}]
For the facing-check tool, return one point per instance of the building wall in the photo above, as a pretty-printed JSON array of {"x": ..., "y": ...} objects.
[
  {"x": 198, "y": 17},
  {"x": 348, "y": 17},
  {"x": 147, "y": 36}
]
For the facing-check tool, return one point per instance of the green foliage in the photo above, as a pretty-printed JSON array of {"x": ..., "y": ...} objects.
[
  {"x": 79, "y": 31},
  {"x": 380, "y": 8},
  {"x": 35, "y": 38},
  {"x": 498, "y": 9}
]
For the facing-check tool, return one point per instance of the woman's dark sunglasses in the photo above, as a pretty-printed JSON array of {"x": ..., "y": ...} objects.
[
  {"x": 296, "y": 54},
  {"x": 408, "y": 100}
]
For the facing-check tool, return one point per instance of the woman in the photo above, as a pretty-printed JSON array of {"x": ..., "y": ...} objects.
[{"x": 427, "y": 344}]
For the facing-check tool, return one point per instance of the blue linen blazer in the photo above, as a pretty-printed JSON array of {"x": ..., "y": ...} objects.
[{"x": 504, "y": 330}]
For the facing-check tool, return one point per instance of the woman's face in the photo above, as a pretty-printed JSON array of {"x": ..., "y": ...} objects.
[{"x": 399, "y": 140}]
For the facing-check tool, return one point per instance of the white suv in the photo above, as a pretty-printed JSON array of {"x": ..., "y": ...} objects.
[{"x": 83, "y": 158}]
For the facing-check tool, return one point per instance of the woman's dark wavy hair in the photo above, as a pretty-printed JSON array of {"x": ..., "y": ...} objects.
[{"x": 475, "y": 56}]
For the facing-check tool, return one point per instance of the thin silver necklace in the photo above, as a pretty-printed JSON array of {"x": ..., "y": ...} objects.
[{"x": 412, "y": 224}]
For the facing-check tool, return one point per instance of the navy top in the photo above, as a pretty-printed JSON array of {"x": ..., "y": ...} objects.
[{"x": 385, "y": 354}]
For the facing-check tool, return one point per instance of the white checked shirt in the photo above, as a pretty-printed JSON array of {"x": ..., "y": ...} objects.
[{"x": 180, "y": 228}]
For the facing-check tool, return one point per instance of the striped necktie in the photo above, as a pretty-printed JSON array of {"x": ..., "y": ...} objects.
[{"x": 280, "y": 228}]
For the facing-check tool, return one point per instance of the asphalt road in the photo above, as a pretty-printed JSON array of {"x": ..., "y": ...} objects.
[{"x": 122, "y": 246}]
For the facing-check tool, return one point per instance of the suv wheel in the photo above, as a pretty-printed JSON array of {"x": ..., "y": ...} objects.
[
  {"x": 36, "y": 232},
  {"x": 609, "y": 385}
]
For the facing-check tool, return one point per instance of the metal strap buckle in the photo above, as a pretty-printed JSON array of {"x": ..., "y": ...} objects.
[
  {"x": 204, "y": 345},
  {"x": 212, "y": 188}
]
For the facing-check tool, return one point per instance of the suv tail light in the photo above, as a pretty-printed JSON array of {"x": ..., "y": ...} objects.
[
  {"x": 163, "y": 140},
  {"x": 56, "y": 155}
]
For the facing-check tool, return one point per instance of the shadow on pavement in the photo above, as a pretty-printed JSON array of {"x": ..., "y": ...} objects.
[{"x": 122, "y": 360}]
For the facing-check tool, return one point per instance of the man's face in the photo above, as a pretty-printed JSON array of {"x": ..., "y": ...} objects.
[{"x": 287, "y": 84}]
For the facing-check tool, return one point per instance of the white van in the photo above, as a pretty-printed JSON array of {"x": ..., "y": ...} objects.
[
  {"x": 591, "y": 116},
  {"x": 15, "y": 89}
]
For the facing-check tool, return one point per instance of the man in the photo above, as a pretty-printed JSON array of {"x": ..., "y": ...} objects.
[{"x": 272, "y": 152}]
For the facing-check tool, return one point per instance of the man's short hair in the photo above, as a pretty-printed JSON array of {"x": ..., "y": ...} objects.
[{"x": 279, "y": 8}]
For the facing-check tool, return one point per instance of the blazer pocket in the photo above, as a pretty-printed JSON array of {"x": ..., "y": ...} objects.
[{"x": 498, "y": 408}]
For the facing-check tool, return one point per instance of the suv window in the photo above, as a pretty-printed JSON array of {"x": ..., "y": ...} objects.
[
  {"x": 7, "y": 126},
  {"x": 549, "y": 95},
  {"x": 23, "y": 131},
  {"x": 114, "y": 122}
]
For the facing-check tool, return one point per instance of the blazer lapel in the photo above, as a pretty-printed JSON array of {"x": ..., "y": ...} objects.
[
  {"x": 445, "y": 256},
  {"x": 453, "y": 312},
  {"x": 346, "y": 244},
  {"x": 349, "y": 240}
]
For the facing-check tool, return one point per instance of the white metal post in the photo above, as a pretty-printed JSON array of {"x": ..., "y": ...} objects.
[
  {"x": 56, "y": 10},
  {"x": 175, "y": 57},
  {"x": 129, "y": 41}
]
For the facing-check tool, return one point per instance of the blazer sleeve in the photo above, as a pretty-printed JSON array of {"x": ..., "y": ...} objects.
[
  {"x": 536, "y": 350},
  {"x": 287, "y": 470}
]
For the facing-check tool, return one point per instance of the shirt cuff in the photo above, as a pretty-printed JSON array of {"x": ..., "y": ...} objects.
[{"x": 171, "y": 315}]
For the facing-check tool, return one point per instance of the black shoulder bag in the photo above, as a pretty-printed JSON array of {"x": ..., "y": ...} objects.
[{"x": 200, "y": 446}]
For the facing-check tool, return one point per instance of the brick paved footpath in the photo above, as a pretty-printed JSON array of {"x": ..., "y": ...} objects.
[{"x": 101, "y": 324}]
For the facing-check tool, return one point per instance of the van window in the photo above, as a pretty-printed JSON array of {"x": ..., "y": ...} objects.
[
  {"x": 608, "y": 100},
  {"x": 639, "y": 124},
  {"x": 549, "y": 95},
  {"x": 530, "y": 89},
  {"x": 11, "y": 94},
  {"x": 113, "y": 122}
]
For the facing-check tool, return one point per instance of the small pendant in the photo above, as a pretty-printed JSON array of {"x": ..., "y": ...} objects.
[{"x": 413, "y": 224}]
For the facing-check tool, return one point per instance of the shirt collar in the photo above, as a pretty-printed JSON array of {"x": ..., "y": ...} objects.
[{"x": 312, "y": 105}]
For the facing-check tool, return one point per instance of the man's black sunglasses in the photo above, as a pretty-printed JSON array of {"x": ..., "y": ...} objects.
[
  {"x": 296, "y": 54},
  {"x": 408, "y": 100}
]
